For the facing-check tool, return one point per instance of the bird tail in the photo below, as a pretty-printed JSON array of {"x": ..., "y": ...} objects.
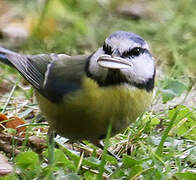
[{"x": 3, "y": 56}]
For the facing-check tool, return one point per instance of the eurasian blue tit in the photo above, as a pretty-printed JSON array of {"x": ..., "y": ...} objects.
[{"x": 81, "y": 95}]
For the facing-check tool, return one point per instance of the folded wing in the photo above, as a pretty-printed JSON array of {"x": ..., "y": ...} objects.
[{"x": 52, "y": 75}]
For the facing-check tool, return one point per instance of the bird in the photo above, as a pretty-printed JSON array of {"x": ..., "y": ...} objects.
[{"x": 81, "y": 95}]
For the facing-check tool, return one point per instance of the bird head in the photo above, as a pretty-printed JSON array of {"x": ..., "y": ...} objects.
[{"x": 123, "y": 58}]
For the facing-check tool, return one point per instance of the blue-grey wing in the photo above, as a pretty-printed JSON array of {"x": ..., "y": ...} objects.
[{"x": 53, "y": 75}]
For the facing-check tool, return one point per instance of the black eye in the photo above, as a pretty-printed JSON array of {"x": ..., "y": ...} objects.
[
  {"x": 107, "y": 49},
  {"x": 133, "y": 52}
]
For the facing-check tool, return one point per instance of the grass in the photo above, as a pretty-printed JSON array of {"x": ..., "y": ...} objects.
[{"x": 161, "y": 143}]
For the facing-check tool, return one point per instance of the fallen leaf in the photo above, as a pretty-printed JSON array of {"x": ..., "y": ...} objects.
[
  {"x": 3, "y": 117},
  {"x": 14, "y": 122}
]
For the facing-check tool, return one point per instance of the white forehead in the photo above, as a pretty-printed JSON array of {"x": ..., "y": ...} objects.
[{"x": 125, "y": 44}]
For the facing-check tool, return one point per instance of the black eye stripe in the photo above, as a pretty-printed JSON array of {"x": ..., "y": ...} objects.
[
  {"x": 133, "y": 52},
  {"x": 107, "y": 49}
]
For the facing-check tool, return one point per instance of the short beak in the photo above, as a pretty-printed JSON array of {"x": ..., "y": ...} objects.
[{"x": 108, "y": 61}]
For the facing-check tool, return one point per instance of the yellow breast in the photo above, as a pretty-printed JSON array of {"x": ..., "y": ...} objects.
[{"x": 86, "y": 114}]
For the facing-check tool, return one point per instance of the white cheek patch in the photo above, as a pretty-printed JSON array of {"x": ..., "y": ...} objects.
[{"x": 142, "y": 70}]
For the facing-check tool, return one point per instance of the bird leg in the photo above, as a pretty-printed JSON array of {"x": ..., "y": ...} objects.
[
  {"x": 100, "y": 144},
  {"x": 51, "y": 144}
]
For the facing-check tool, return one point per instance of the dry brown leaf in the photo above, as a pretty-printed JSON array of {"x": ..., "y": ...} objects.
[
  {"x": 3, "y": 117},
  {"x": 14, "y": 122}
]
